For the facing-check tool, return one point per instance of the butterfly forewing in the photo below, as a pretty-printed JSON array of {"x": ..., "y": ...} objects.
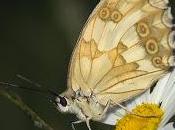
[{"x": 123, "y": 49}]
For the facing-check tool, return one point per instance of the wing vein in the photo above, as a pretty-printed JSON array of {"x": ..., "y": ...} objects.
[
  {"x": 126, "y": 80},
  {"x": 122, "y": 91},
  {"x": 91, "y": 51},
  {"x": 111, "y": 70}
]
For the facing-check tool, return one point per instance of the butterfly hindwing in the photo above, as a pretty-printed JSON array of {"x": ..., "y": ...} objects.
[{"x": 122, "y": 50}]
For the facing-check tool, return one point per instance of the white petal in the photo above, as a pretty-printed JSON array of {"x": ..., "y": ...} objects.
[
  {"x": 159, "y": 89},
  {"x": 169, "y": 126},
  {"x": 113, "y": 116},
  {"x": 168, "y": 99},
  {"x": 169, "y": 85},
  {"x": 143, "y": 98},
  {"x": 111, "y": 119}
]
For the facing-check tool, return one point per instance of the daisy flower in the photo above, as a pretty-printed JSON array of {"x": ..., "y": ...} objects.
[{"x": 152, "y": 110}]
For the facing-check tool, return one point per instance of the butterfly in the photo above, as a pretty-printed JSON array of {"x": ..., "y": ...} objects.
[{"x": 125, "y": 46}]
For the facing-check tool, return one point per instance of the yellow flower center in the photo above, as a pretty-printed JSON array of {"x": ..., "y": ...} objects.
[{"x": 143, "y": 117}]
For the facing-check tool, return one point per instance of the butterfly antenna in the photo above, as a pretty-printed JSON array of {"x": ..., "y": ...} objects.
[
  {"x": 51, "y": 95},
  {"x": 28, "y": 81},
  {"x": 40, "y": 89},
  {"x": 51, "y": 92},
  {"x": 21, "y": 87}
]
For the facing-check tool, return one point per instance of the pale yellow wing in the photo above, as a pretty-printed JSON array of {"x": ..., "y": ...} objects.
[{"x": 124, "y": 47}]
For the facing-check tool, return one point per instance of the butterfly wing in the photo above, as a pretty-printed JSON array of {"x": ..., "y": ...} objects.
[{"x": 125, "y": 46}]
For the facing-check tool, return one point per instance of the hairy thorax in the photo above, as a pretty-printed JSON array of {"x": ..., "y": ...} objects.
[{"x": 87, "y": 107}]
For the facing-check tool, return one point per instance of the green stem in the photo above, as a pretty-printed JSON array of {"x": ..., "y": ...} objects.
[{"x": 32, "y": 115}]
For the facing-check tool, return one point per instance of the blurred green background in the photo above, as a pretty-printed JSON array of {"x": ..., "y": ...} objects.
[{"x": 36, "y": 40}]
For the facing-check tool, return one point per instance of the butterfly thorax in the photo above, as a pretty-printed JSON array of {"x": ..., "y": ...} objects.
[{"x": 89, "y": 108}]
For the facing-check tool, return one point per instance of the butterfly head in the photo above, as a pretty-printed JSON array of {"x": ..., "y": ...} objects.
[{"x": 62, "y": 103}]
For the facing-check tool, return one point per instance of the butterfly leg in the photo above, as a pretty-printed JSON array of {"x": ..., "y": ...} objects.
[
  {"x": 133, "y": 113},
  {"x": 76, "y": 122},
  {"x": 87, "y": 123},
  {"x": 111, "y": 102},
  {"x": 106, "y": 108},
  {"x": 128, "y": 111},
  {"x": 122, "y": 107}
]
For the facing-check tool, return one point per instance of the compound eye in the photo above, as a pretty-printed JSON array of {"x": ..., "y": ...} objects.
[{"x": 63, "y": 101}]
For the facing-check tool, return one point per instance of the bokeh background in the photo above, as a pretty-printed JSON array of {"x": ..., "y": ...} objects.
[{"x": 36, "y": 40}]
